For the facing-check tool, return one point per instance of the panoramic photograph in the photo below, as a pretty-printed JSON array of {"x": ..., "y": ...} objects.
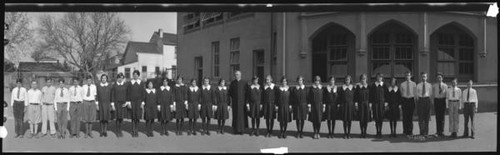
[{"x": 297, "y": 78}]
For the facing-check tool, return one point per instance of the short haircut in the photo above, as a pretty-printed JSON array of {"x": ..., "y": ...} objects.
[
  {"x": 76, "y": 78},
  {"x": 283, "y": 79},
  {"x": 104, "y": 75},
  {"x": 361, "y": 76},
  {"x": 48, "y": 79},
  {"x": 61, "y": 80},
  {"x": 331, "y": 77},
  {"x": 137, "y": 72},
  {"x": 454, "y": 79},
  {"x": 255, "y": 78},
  {"x": 220, "y": 80},
  {"x": 19, "y": 81},
  {"x": 89, "y": 77},
  {"x": 422, "y": 73},
  {"x": 120, "y": 75},
  {"x": 317, "y": 78},
  {"x": 34, "y": 81},
  {"x": 407, "y": 72},
  {"x": 380, "y": 75},
  {"x": 299, "y": 77},
  {"x": 439, "y": 74}
]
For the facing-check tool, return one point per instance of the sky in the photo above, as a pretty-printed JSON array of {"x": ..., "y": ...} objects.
[{"x": 141, "y": 24}]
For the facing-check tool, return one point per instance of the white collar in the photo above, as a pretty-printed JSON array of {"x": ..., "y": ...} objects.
[
  {"x": 118, "y": 83},
  {"x": 163, "y": 87},
  {"x": 301, "y": 87},
  {"x": 329, "y": 88},
  {"x": 284, "y": 88},
  {"x": 379, "y": 84},
  {"x": 362, "y": 86},
  {"x": 193, "y": 89},
  {"x": 207, "y": 87},
  {"x": 347, "y": 87},
  {"x": 136, "y": 81},
  {"x": 254, "y": 86},
  {"x": 269, "y": 86},
  {"x": 315, "y": 86},
  {"x": 149, "y": 90},
  {"x": 222, "y": 88},
  {"x": 104, "y": 85},
  {"x": 178, "y": 85},
  {"x": 395, "y": 88},
  {"x": 61, "y": 88}
]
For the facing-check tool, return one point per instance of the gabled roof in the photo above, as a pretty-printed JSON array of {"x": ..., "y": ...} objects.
[
  {"x": 142, "y": 47},
  {"x": 40, "y": 67},
  {"x": 168, "y": 38}
]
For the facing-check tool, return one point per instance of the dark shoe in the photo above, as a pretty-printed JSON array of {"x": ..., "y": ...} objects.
[
  {"x": 90, "y": 135},
  {"x": 194, "y": 133},
  {"x": 208, "y": 133},
  {"x": 301, "y": 135},
  {"x": 465, "y": 136},
  {"x": 472, "y": 137},
  {"x": 189, "y": 133},
  {"x": 44, "y": 135}
]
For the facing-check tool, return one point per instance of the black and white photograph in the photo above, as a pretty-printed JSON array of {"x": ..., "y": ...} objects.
[{"x": 250, "y": 77}]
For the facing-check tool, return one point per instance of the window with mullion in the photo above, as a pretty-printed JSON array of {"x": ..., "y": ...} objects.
[
  {"x": 234, "y": 55},
  {"x": 216, "y": 59}
]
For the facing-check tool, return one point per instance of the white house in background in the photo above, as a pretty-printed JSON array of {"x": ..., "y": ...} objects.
[{"x": 157, "y": 55}]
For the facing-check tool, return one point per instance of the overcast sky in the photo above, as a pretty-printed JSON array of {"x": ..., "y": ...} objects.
[{"x": 141, "y": 24}]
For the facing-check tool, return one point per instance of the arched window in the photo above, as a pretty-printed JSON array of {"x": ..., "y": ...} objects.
[
  {"x": 452, "y": 52},
  {"x": 332, "y": 49},
  {"x": 392, "y": 50}
]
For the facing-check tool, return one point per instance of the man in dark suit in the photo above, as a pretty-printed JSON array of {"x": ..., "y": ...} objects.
[{"x": 237, "y": 92}]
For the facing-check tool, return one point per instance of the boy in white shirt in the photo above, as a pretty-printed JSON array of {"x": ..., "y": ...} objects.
[
  {"x": 453, "y": 96},
  {"x": 34, "y": 99},
  {"x": 62, "y": 107},
  {"x": 469, "y": 105},
  {"x": 18, "y": 103}
]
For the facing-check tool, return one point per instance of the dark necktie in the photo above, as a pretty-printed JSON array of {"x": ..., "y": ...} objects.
[
  {"x": 423, "y": 89},
  {"x": 61, "y": 92},
  {"x": 453, "y": 92},
  {"x": 440, "y": 89},
  {"x": 468, "y": 95},
  {"x": 18, "y": 92},
  {"x": 88, "y": 91},
  {"x": 407, "y": 88},
  {"x": 74, "y": 92}
]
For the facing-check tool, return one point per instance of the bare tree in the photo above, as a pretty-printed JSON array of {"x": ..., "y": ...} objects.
[
  {"x": 19, "y": 35},
  {"x": 83, "y": 39}
]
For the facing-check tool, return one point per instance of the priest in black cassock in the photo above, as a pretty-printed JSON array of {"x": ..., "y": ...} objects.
[{"x": 237, "y": 92}]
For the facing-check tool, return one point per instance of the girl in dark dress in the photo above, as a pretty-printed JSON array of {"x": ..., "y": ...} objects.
[
  {"x": 255, "y": 94},
  {"x": 207, "y": 100},
  {"x": 316, "y": 106},
  {"x": 346, "y": 101},
  {"x": 194, "y": 99},
  {"x": 135, "y": 97},
  {"x": 284, "y": 107},
  {"x": 180, "y": 104},
  {"x": 104, "y": 104},
  {"x": 118, "y": 100},
  {"x": 393, "y": 97},
  {"x": 150, "y": 105},
  {"x": 377, "y": 99},
  {"x": 165, "y": 105},
  {"x": 269, "y": 106},
  {"x": 331, "y": 110},
  {"x": 299, "y": 104},
  {"x": 222, "y": 102},
  {"x": 362, "y": 104}
]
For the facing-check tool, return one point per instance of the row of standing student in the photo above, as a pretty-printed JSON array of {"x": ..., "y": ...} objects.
[{"x": 316, "y": 104}]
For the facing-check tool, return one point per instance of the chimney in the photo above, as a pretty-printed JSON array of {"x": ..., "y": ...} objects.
[{"x": 161, "y": 33}]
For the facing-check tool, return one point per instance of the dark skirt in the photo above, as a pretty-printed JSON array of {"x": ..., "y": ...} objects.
[
  {"x": 269, "y": 111},
  {"x": 300, "y": 111},
  {"x": 222, "y": 113},
  {"x": 206, "y": 111},
  {"x": 135, "y": 112},
  {"x": 331, "y": 112},
  {"x": 394, "y": 113},
  {"x": 165, "y": 114},
  {"x": 347, "y": 111},
  {"x": 284, "y": 113},
  {"x": 378, "y": 111},
  {"x": 120, "y": 111},
  {"x": 316, "y": 114},
  {"x": 255, "y": 111},
  {"x": 150, "y": 112},
  {"x": 364, "y": 112},
  {"x": 192, "y": 110},
  {"x": 104, "y": 112}
]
